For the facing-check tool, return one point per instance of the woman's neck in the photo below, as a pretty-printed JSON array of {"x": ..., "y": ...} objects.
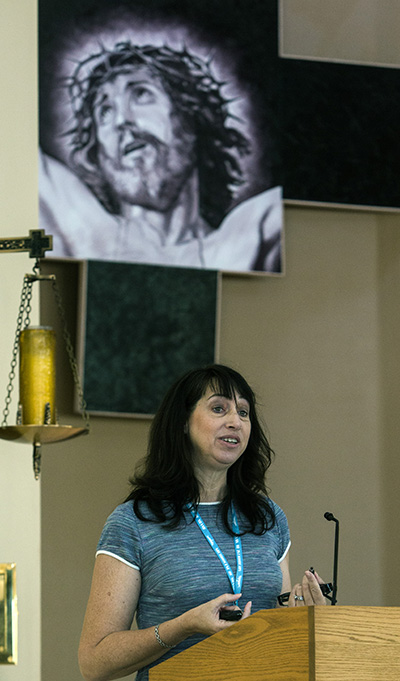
[
  {"x": 212, "y": 486},
  {"x": 209, "y": 496}
]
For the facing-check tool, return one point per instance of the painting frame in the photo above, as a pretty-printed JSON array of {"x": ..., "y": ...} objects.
[
  {"x": 8, "y": 614},
  {"x": 140, "y": 327},
  {"x": 222, "y": 209}
]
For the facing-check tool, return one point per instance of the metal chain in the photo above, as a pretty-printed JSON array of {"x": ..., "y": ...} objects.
[
  {"x": 24, "y": 308},
  {"x": 70, "y": 353}
]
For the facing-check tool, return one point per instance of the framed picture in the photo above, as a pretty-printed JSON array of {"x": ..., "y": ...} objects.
[
  {"x": 191, "y": 177},
  {"x": 140, "y": 328},
  {"x": 8, "y": 614}
]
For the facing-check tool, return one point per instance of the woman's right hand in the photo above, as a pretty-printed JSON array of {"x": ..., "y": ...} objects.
[
  {"x": 205, "y": 619},
  {"x": 110, "y": 648}
]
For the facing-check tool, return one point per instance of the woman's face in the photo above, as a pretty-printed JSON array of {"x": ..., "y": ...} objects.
[{"x": 219, "y": 430}]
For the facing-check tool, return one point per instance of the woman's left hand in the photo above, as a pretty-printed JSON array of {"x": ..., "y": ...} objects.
[{"x": 307, "y": 592}]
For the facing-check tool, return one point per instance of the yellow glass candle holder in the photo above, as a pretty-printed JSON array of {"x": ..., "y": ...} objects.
[{"x": 37, "y": 375}]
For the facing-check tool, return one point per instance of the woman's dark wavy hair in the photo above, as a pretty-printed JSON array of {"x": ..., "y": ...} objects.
[
  {"x": 198, "y": 103},
  {"x": 166, "y": 481}
]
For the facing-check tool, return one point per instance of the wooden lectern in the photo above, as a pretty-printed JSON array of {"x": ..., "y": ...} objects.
[{"x": 318, "y": 643}]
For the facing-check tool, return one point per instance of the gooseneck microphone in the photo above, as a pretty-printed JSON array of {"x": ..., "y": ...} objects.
[{"x": 330, "y": 516}]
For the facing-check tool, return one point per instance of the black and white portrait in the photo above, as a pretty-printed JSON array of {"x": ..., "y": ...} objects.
[{"x": 154, "y": 147}]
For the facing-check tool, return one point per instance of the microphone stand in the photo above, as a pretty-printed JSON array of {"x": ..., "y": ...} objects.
[{"x": 330, "y": 516}]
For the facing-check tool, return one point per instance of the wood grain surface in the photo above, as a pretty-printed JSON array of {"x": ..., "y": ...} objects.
[{"x": 344, "y": 643}]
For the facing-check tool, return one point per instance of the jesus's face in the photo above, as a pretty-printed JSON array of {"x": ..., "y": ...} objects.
[{"x": 143, "y": 152}]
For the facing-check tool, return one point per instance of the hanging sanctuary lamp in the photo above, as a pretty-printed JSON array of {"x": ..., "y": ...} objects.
[{"x": 35, "y": 346}]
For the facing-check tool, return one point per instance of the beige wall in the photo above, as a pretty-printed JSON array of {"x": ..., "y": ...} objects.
[
  {"x": 19, "y": 492},
  {"x": 364, "y": 31},
  {"x": 313, "y": 355},
  {"x": 320, "y": 346},
  {"x": 388, "y": 258}
]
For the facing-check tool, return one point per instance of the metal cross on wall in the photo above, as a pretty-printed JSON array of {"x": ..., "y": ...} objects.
[{"x": 37, "y": 243}]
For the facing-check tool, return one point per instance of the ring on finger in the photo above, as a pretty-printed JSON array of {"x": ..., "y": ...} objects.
[{"x": 299, "y": 598}]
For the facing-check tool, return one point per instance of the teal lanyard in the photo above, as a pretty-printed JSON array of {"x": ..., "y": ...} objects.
[{"x": 236, "y": 581}]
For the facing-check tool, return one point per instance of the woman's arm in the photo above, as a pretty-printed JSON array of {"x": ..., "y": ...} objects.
[
  {"x": 286, "y": 582},
  {"x": 109, "y": 649}
]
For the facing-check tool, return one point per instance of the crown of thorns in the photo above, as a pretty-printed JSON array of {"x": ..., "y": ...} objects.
[{"x": 185, "y": 72}]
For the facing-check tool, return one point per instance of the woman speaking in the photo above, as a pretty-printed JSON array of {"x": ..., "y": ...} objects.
[{"x": 198, "y": 543}]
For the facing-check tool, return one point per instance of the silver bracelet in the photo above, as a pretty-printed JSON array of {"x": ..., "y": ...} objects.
[{"x": 159, "y": 639}]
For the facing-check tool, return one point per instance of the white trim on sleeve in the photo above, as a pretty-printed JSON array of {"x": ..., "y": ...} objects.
[
  {"x": 285, "y": 552},
  {"x": 114, "y": 555}
]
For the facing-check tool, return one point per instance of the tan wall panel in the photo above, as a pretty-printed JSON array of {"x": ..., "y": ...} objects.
[
  {"x": 362, "y": 31},
  {"x": 389, "y": 330},
  {"x": 19, "y": 492},
  {"x": 319, "y": 346},
  {"x": 308, "y": 342}
]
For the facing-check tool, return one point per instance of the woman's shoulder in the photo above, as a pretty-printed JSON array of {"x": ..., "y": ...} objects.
[
  {"x": 121, "y": 516},
  {"x": 279, "y": 513},
  {"x": 123, "y": 523},
  {"x": 123, "y": 510},
  {"x": 126, "y": 511},
  {"x": 275, "y": 506}
]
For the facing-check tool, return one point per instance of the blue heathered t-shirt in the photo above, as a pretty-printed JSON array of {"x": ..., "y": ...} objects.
[{"x": 179, "y": 569}]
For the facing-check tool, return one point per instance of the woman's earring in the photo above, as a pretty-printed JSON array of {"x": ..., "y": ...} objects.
[{"x": 185, "y": 429}]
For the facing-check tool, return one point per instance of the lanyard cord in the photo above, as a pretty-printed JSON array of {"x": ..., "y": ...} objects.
[{"x": 236, "y": 581}]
